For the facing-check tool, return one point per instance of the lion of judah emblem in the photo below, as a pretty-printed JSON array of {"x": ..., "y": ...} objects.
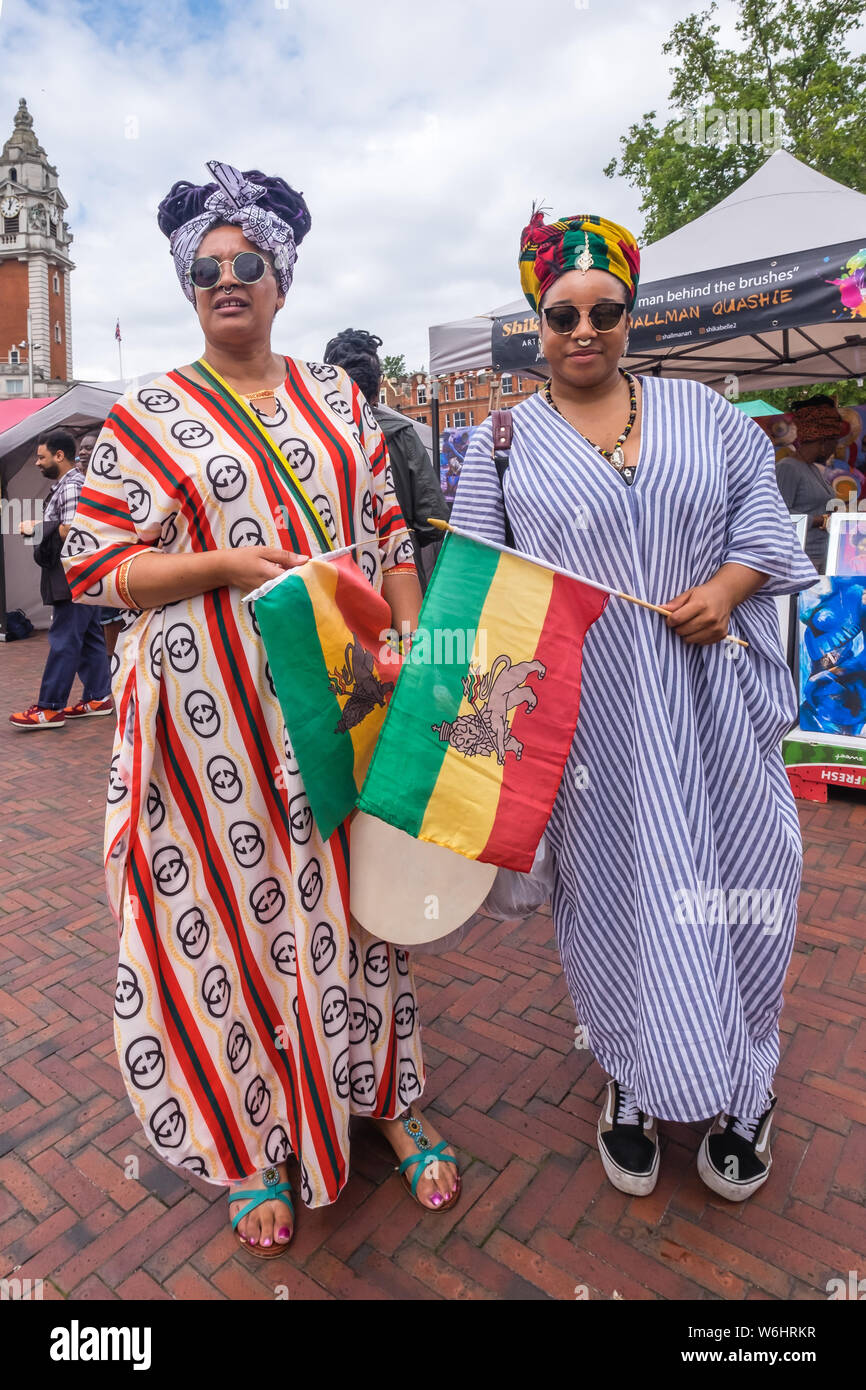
[
  {"x": 492, "y": 696},
  {"x": 359, "y": 681}
]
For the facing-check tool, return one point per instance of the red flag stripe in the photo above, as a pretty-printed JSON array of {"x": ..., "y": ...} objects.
[{"x": 547, "y": 731}]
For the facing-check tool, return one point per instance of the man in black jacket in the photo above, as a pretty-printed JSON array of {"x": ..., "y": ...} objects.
[
  {"x": 75, "y": 638},
  {"x": 415, "y": 482}
]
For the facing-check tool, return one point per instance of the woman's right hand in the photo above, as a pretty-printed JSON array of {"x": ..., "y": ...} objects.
[{"x": 251, "y": 565}]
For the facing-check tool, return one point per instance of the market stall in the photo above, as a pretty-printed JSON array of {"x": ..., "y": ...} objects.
[
  {"x": 22, "y": 487},
  {"x": 766, "y": 289}
]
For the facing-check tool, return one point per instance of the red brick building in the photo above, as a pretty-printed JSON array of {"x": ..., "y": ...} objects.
[
  {"x": 34, "y": 268},
  {"x": 465, "y": 398}
]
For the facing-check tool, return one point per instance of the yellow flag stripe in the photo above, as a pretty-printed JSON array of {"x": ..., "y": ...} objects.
[
  {"x": 462, "y": 806},
  {"x": 334, "y": 636}
]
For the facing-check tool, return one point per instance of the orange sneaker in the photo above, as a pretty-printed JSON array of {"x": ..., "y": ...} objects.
[
  {"x": 85, "y": 708},
  {"x": 38, "y": 718}
]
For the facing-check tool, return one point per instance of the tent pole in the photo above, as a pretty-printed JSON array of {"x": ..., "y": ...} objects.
[
  {"x": 434, "y": 401},
  {"x": 5, "y": 512}
]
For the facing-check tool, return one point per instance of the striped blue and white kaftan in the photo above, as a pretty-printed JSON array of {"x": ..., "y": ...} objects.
[{"x": 676, "y": 835}]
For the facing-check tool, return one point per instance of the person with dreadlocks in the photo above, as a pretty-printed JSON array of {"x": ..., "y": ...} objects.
[
  {"x": 415, "y": 483},
  {"x": 674, "y": 801},
  {"x": 253, "y": 1017}
]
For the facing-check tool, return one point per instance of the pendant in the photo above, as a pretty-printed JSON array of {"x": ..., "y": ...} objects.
[
  {"x": 628, "y": 474},
  {"x": 617, "y": 458},
  {"x": 584, "y": 261}
]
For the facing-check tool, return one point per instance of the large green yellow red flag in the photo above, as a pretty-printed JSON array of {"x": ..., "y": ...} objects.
[
  {"x": 473, "y": 746},
  {"x": 322, "y": 625}
]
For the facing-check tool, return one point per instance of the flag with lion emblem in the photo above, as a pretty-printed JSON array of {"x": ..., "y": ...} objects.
[
  {"x": 322, "y": 625},
  {"x": 473, "y": 746}
]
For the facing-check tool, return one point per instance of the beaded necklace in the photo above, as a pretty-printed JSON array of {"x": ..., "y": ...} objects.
[{"x": 615, "y": 455}]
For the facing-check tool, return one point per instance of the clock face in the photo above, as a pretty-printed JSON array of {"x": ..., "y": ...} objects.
[{"x": 10, "y": 206}]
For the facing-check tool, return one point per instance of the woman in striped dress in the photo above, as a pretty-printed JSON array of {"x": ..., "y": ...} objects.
[
  {"x": 251, "y": 1019},
  {"x": 676, "y": 834}
]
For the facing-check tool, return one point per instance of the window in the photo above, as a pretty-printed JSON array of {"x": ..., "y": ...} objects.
[
  {"x": 14, "y": 357},
  {"x": 10, "y": 226},
  {"x": 471, "y": 385},
  {"x": 57, "y": 332},
  {"x": 460, "y": 420},
  {"x": 15, "y": 386},
  {"x": 472, "y": 417},
  {"x": 422, "y": 395},
  {"x": 460, "y": 391},
  {"x": 56, "y": 283},
  {"x": 422, "y": 419},
  {"x": 507, "y": 388},
  {"x": 13, "y": 174},
  {"x": 447, "y": 422},
  {"x": 383, "y": 399}
]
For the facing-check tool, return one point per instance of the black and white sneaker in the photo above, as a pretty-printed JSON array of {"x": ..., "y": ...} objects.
[
  {"x": 628, "y": 1142},
  {"x": 735, "y": 1159}
]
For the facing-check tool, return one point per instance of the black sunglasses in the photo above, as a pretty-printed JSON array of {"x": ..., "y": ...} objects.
[
  {"x": 564, "y": 318},
  {"x": 247, "y": 268}
]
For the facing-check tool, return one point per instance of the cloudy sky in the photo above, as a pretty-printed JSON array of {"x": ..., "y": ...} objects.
[{"x": 419, "y": 134}]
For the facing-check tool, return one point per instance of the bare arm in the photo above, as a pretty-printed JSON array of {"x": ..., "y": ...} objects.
[
  {"x": 155, "y": 578},
  {"x": 402, "y": 593}
]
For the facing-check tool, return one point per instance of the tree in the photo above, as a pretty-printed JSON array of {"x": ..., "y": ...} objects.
[
  {"x": 790, "y": 83},
  {"x": 394, "y": 367}
]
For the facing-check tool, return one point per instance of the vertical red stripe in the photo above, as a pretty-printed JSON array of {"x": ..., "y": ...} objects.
[
  {"x": 164, "y": 978},
  {"x": 529, "y": 786}
]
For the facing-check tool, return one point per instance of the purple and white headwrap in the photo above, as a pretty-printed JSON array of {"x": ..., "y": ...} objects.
[{"x": 236, "y": 200}]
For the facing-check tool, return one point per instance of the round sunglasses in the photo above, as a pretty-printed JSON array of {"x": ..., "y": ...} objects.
[
  {"x": 247, "y": 268},
  {"x": 564, "y": 318}
]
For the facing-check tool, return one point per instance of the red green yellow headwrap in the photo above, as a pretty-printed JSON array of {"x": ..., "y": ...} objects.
[{"x": 575, "y": 243}]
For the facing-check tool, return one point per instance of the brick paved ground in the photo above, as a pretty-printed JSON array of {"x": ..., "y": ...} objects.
[{"x": 506, "y": 1085}]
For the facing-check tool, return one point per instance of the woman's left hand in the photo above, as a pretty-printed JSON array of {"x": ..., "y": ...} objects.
[{"x": 701, "y": 615}]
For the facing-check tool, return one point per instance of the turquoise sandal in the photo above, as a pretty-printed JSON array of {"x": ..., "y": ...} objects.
[
  {"x": 427, "y": 1155},
  {"x": 272, "y": 1189}
]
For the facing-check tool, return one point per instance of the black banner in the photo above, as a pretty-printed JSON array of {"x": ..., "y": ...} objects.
[
  {"x": 514, "y": 343},
  {"x": 820, "y": 286}
]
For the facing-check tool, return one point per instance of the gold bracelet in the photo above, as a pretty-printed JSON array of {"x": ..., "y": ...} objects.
[{"x": 122, "y": 583}]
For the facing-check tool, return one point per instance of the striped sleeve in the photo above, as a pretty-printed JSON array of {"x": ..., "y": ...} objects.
[
  {"x": 478, "y": 505},
  {"x": 758, "y": 531},
  {"x": 103, "y": 533},
  {"x": 395, "y": 541}
]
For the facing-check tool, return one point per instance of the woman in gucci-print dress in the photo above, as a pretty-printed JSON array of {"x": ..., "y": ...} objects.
[{"x": 251, "y": 1018}]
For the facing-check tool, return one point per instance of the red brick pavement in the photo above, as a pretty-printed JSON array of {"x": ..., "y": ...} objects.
[{"x": 506, "y": 1084}]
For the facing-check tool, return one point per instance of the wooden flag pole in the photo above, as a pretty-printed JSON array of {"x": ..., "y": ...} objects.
[{"x": 617, "y": 593}]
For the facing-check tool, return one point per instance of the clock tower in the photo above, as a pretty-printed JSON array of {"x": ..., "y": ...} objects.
[{"x": 34, "y": 269}]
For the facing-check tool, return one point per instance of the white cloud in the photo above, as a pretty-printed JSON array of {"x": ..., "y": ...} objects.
[{"x": 419, "y": 135}]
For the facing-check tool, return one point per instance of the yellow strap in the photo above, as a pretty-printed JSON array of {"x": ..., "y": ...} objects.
[{"x": 257, "y": 424}]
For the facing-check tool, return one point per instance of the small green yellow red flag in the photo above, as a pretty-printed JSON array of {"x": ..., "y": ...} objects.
[
  {"x": 322, "y": 625},
  {"x": 473, "y": 747}
]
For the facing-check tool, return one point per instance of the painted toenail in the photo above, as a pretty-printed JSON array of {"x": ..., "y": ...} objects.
[
  {"x": 284, "y": 1233},
  {"x": 266, "y": 1241},
  {"x": 436, "y": 1199},
  {"x": 252, "y": 1240}
]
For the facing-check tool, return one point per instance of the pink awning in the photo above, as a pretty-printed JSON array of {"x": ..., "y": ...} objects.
[{"x": 11, "y": 412}]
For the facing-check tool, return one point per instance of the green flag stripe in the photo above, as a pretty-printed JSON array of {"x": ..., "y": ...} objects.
[
  {"x": 408, "y": 755},
  {"x": 326, "y": 758}
]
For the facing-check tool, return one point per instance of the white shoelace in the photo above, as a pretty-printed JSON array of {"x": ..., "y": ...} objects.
[
  {"x": 746, "y": 1128},
  {"x": 628, "y": 1110}
]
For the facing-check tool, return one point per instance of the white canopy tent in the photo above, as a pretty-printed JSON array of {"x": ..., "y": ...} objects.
[
  {"x": 783, "y": 236},
  {"x": 83, "y": 405}
]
